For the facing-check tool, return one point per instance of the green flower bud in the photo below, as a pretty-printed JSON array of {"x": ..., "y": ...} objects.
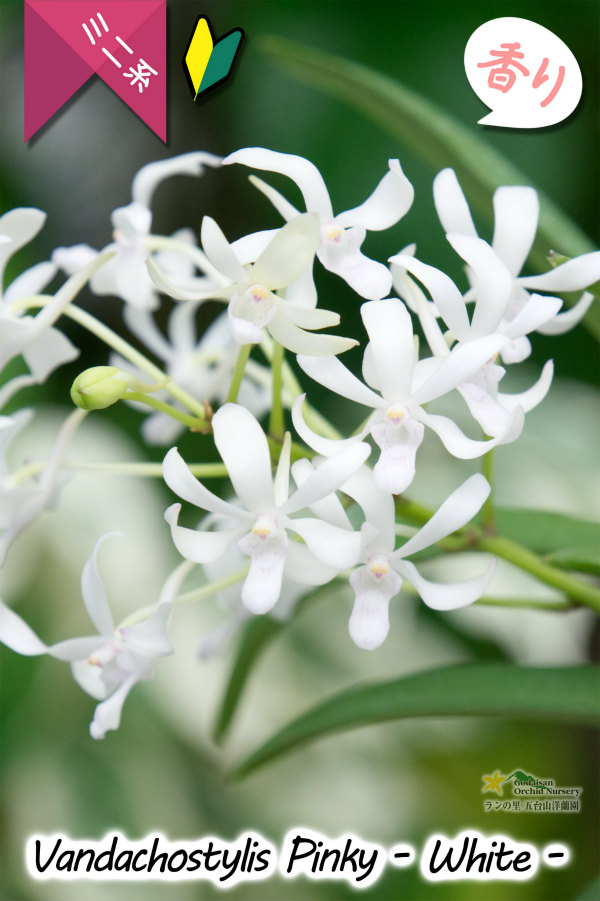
[{"x": 99, "y": 387}]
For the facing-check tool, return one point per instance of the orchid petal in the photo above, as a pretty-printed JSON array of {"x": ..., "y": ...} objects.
[
  {"x": 167, "y": 286},
  {"x": 368, "y": 278},
  {"x": 47, "y": 352},
  {"x": 262, "y": 587},
  {"x": 307, "y": 317},
  {"x": 306, "y": 343},
  {"x": 149, "y": 177},
  {"x": 17, "y": 635},
  {"x": 492, "y": 282},
  {"x": 534, "y": 395},
  {"x": 443, "y": 596},
  {"x": 219, "y": 252},
  {"x": 516, "y": 213},
  {"x": 71, "y": 259},
  {"x": 463, "y": 362},
  {"x": 537, "y": 311},
  {"x": 288, "y": 254},
  {"x": 443, "y": 291},
  {"x": 281, "y": 204},
  {"x": 395, "y": 469},
  {"x": 181, "y": 329},
  {"x": 369, "y": 622},
  {"x": 457, "y": 443},
  {"x": 376, "y": 504},
  {"x": 301, "y": 171},
  {"x": 332, "y": 374},
  {"x": 389, "y": 202},
  {"x": 389, "y": 327},
  {"x": 336, "y": 547},
  {"x": 328, "y": 508},
  {"x": 516, "y": 351},
  {"x": 244, "y": 449},
  {"x": 21, "y": 226},
  {"x": 451, "y": 205},
  {"x": 30, "y": 282},
  {"x": 107, "y": 715},
  {"x": 325, "y": 446},
  {"x": 457, "y": 510},
  {"x": 302, "y": 292},
  {"x": 149, "y": 637},
  {"x": 492, "y": 416},
  {"x": 302, "y": 566},
  {"x": 199, "y": 547},
  {"x": 574, "y": 275},
  {"x": 327, "y": 477},
  {"x": 10, "y": 388},
  {"x": 92, "y": 590},
  {"x": 249, "y": 248},
  {"x": 563, "y": 322},
  {"x": 180, "y": 480}
]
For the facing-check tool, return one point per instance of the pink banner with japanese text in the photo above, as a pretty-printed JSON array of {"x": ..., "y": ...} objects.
[{"x": 122, "y": 41}]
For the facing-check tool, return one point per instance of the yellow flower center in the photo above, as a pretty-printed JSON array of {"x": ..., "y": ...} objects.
[{"x": 395, "y": 413}]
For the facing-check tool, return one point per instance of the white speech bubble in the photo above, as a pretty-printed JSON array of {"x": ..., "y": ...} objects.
[{"x": 530, "y": 85}]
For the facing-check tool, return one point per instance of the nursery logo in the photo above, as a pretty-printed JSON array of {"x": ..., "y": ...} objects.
[
  {"x": 207, "y": 62},
  {"x": 122, "y": 41},
  {"x": 524, "y": 785},
  {"x": 523, "y": 72}
]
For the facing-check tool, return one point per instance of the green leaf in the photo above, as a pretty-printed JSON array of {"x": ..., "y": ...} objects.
[
  {"x": 479, "y": 689},
  {"x": 256, "y": 635},
  {"x": 435, "y": 136},
  {"x": 549, "y": 533}
]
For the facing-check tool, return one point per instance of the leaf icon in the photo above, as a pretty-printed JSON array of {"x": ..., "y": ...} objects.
[{"x": 206, "y": 63}]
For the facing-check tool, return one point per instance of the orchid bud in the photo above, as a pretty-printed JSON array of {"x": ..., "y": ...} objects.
[{"x": 99, "y": 387}]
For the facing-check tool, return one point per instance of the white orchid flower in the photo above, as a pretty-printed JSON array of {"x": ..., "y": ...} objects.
[
  {"x": 202, "y": 367},
  {"x": 492, "y": 410},
  {"x": 397, "y": 389},
  {"x": 44, "y": 348},
  {"x": 263, "y": 521},
  {"x": 516, "y": 214},
  {"x": 125, "y": 274},
  {"x": 341, "y": 236},
  {"x": 253, "y": 304},
  {"x": 379, "y": 579},
  {"x": 109, "y": 664}
]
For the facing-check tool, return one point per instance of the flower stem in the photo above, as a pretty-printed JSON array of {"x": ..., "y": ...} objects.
[
  {"x": 193, "y": 422},
  {"x": 276, "y": 423},
  {"x": 238, "y": 373},
  {"x": 574, "y": 588},
  {"x": 488, "y": 516},
  {"x": 148, "y": 470}
]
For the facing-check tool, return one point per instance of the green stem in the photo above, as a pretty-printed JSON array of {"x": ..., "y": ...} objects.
[
  {"x": 276, "y": 422},
  {"x": 195, "y": 424},
  {"x": 488, "y": 516},
  {"x": 238, "y": 373},
  {"x": 574, "y": 588},
  {"x": 144, "y": 470},
  {"x": 518, "y": 603}
]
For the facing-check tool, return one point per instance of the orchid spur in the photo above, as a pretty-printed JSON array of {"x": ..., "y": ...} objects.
[
  {"x": 341, "y": 236},
  {"x": 397, "y": 389},
  {"x": 261, "y": 525}
]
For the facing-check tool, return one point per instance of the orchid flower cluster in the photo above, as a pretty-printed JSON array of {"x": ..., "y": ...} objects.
[{"x": 301, "y": 512}]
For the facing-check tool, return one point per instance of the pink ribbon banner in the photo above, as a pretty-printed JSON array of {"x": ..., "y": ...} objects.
[{"x": 122, "y": 41}]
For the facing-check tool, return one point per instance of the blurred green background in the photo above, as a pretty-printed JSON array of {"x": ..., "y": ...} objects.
[{"x": 161, "y": 771}]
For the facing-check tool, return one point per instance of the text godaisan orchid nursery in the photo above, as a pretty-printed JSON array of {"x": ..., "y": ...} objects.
[{"x": 305, "y": 508}]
